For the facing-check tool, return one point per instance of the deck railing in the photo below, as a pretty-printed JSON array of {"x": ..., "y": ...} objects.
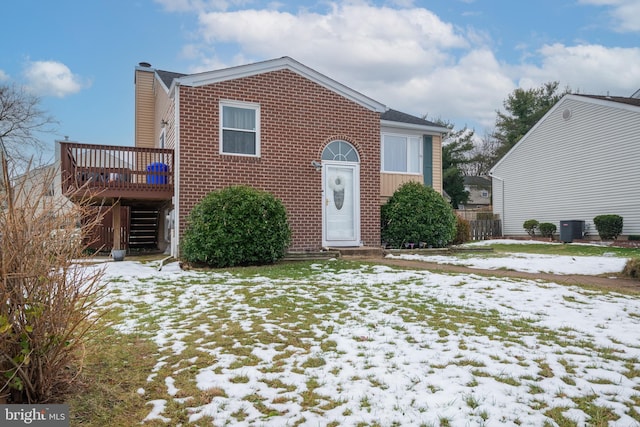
[{"x": 109, "y": 171}]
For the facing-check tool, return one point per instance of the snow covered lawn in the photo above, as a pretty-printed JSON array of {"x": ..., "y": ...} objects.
[
  {"x": 337, "y": 343},
  {"x": 530, "y": 263}
]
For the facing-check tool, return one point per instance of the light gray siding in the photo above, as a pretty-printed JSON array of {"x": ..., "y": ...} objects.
[{"x": 573, "y": 169}]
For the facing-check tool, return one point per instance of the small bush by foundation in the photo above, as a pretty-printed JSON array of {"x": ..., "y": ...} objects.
[
  {"x": 547, "y": 229},
  {"x": 238, "y": 225},
  {"x": 609, "y": 226},
  {"x": 530, "y": 226},
  {"x": 417, "y": 214}
]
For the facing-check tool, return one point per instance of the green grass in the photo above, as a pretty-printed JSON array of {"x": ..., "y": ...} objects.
[{"x": 565, "y": 249}]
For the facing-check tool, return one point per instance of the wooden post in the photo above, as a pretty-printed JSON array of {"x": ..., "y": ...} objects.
[{"x": 116, "y": 221}]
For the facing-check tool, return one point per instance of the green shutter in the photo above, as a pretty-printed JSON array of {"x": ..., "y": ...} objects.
[{"x": 427, "y": 156}]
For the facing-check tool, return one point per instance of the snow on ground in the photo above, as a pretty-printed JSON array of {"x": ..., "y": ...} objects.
[
  {"x": 373, "y": 344},
  {"x": 530, "y": 263}
]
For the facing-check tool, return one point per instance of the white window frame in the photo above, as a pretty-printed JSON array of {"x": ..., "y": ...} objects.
[
  {"x": 245, "y": 105},
  {"x": 407, "y": 137}
]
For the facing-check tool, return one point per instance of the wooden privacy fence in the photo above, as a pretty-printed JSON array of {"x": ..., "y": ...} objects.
[{"x": 483, "y": 229}]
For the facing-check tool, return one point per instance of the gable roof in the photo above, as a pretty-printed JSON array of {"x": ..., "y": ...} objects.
[
  {"x": 389, "y": 117},
  {"x": 480, "y": 181},
  {"x": 608, "y": 101},
  {"x": 170, "y": 79}
]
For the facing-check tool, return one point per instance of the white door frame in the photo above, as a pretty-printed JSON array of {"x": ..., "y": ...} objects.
[{"x": 328, "y": 201}]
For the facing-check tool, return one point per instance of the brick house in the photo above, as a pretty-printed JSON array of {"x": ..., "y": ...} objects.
[{"x": 331, "y": 154}]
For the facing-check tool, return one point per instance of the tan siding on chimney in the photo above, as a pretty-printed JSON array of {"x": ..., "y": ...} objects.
[
  {"x": 145, "y": 108},
  {"x": 164, "y": 111}
]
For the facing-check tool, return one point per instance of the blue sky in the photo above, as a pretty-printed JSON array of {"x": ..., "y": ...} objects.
[{"x": 451, "y": 59}]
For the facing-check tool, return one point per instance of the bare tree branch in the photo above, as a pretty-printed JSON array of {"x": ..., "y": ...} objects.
[{"x": 21, "y": 120}]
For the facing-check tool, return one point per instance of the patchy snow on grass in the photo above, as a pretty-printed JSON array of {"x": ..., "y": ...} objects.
[
  {"x": 508, "y": 242},
  {"x": 347, "y": 344},
  {"x": 531, "y": 263}
]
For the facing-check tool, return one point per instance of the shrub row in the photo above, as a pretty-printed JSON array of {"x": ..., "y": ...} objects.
[
  {"x": 240, "y": 225},
  {"x": 609, "y": 227}
]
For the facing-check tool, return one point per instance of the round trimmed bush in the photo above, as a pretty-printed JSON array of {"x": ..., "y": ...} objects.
[
  {"x": 530, "y": 226},
  {"x": 238, "y": 225},
  {"x": 547, "y": 229},
  {"x": 417, "y": 214},
  {"x": 609, "y": 226}
]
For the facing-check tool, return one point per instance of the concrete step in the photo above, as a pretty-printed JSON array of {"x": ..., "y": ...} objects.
[
  {"x": 301, "y": 256},
  {"x": 360, "y": 252}
]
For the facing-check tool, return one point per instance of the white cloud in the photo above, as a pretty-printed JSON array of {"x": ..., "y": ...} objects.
[
  {"x": 591, "y": 69},
  {"x": 52, "y": 78},
  {"x": 624, "y": 12},
  {"x": 3, "y": 76},
  {"x": 354, "y": 33},
  {"x": 407, "y": 58}
]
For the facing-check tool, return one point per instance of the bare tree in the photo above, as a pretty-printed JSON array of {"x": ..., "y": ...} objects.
[
  {"x": 21, "y": 120},
  {"x": 482, "y": 156}
]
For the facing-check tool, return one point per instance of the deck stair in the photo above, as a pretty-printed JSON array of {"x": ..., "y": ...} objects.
[{"x": 143, "y": 231}]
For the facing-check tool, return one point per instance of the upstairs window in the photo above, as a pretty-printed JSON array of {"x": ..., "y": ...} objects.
[
  {"x": 240, "y": 128},
  {"x": 401, "y": 154}
]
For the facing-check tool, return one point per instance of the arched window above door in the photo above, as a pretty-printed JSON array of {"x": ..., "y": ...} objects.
[{"x": 340, "y": 151}]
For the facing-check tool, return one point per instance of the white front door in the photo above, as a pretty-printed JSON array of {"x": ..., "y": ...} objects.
[{"x": 341, "y": 204}]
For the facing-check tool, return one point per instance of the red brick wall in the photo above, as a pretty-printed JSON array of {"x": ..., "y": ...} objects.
[{"x": 298, "y": 119}]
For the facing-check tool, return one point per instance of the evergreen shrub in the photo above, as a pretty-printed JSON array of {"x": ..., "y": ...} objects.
[
  {"x": 530, "y": 226},
  {"x": 547, "y": 229},
  {"x": 609, "y": 226},
  {"x": 238, "y": 225},
  {"x": 417, "y": 214}
]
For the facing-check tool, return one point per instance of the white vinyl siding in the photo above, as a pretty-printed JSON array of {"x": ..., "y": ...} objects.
[
  {"x": 401, "y": 153},
  {"x": 239, "y": 128},
  {"x": 573, "y": 169}
]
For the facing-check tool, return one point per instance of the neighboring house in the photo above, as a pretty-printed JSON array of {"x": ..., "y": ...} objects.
[
  {"x": 479, "y": 188},
  {"x": 579, "y": 161},
  {"x": 40, "y": 188},
  {"x": 331, "y": 154}
]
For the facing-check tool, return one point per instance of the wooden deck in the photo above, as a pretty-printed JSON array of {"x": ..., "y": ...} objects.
[{"x": 105, "y": 173}]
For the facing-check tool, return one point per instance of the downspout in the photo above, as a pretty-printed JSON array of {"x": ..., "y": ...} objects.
[
  {"x": 175, "y": 241},
  {"x": 502, "y": 218}
]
